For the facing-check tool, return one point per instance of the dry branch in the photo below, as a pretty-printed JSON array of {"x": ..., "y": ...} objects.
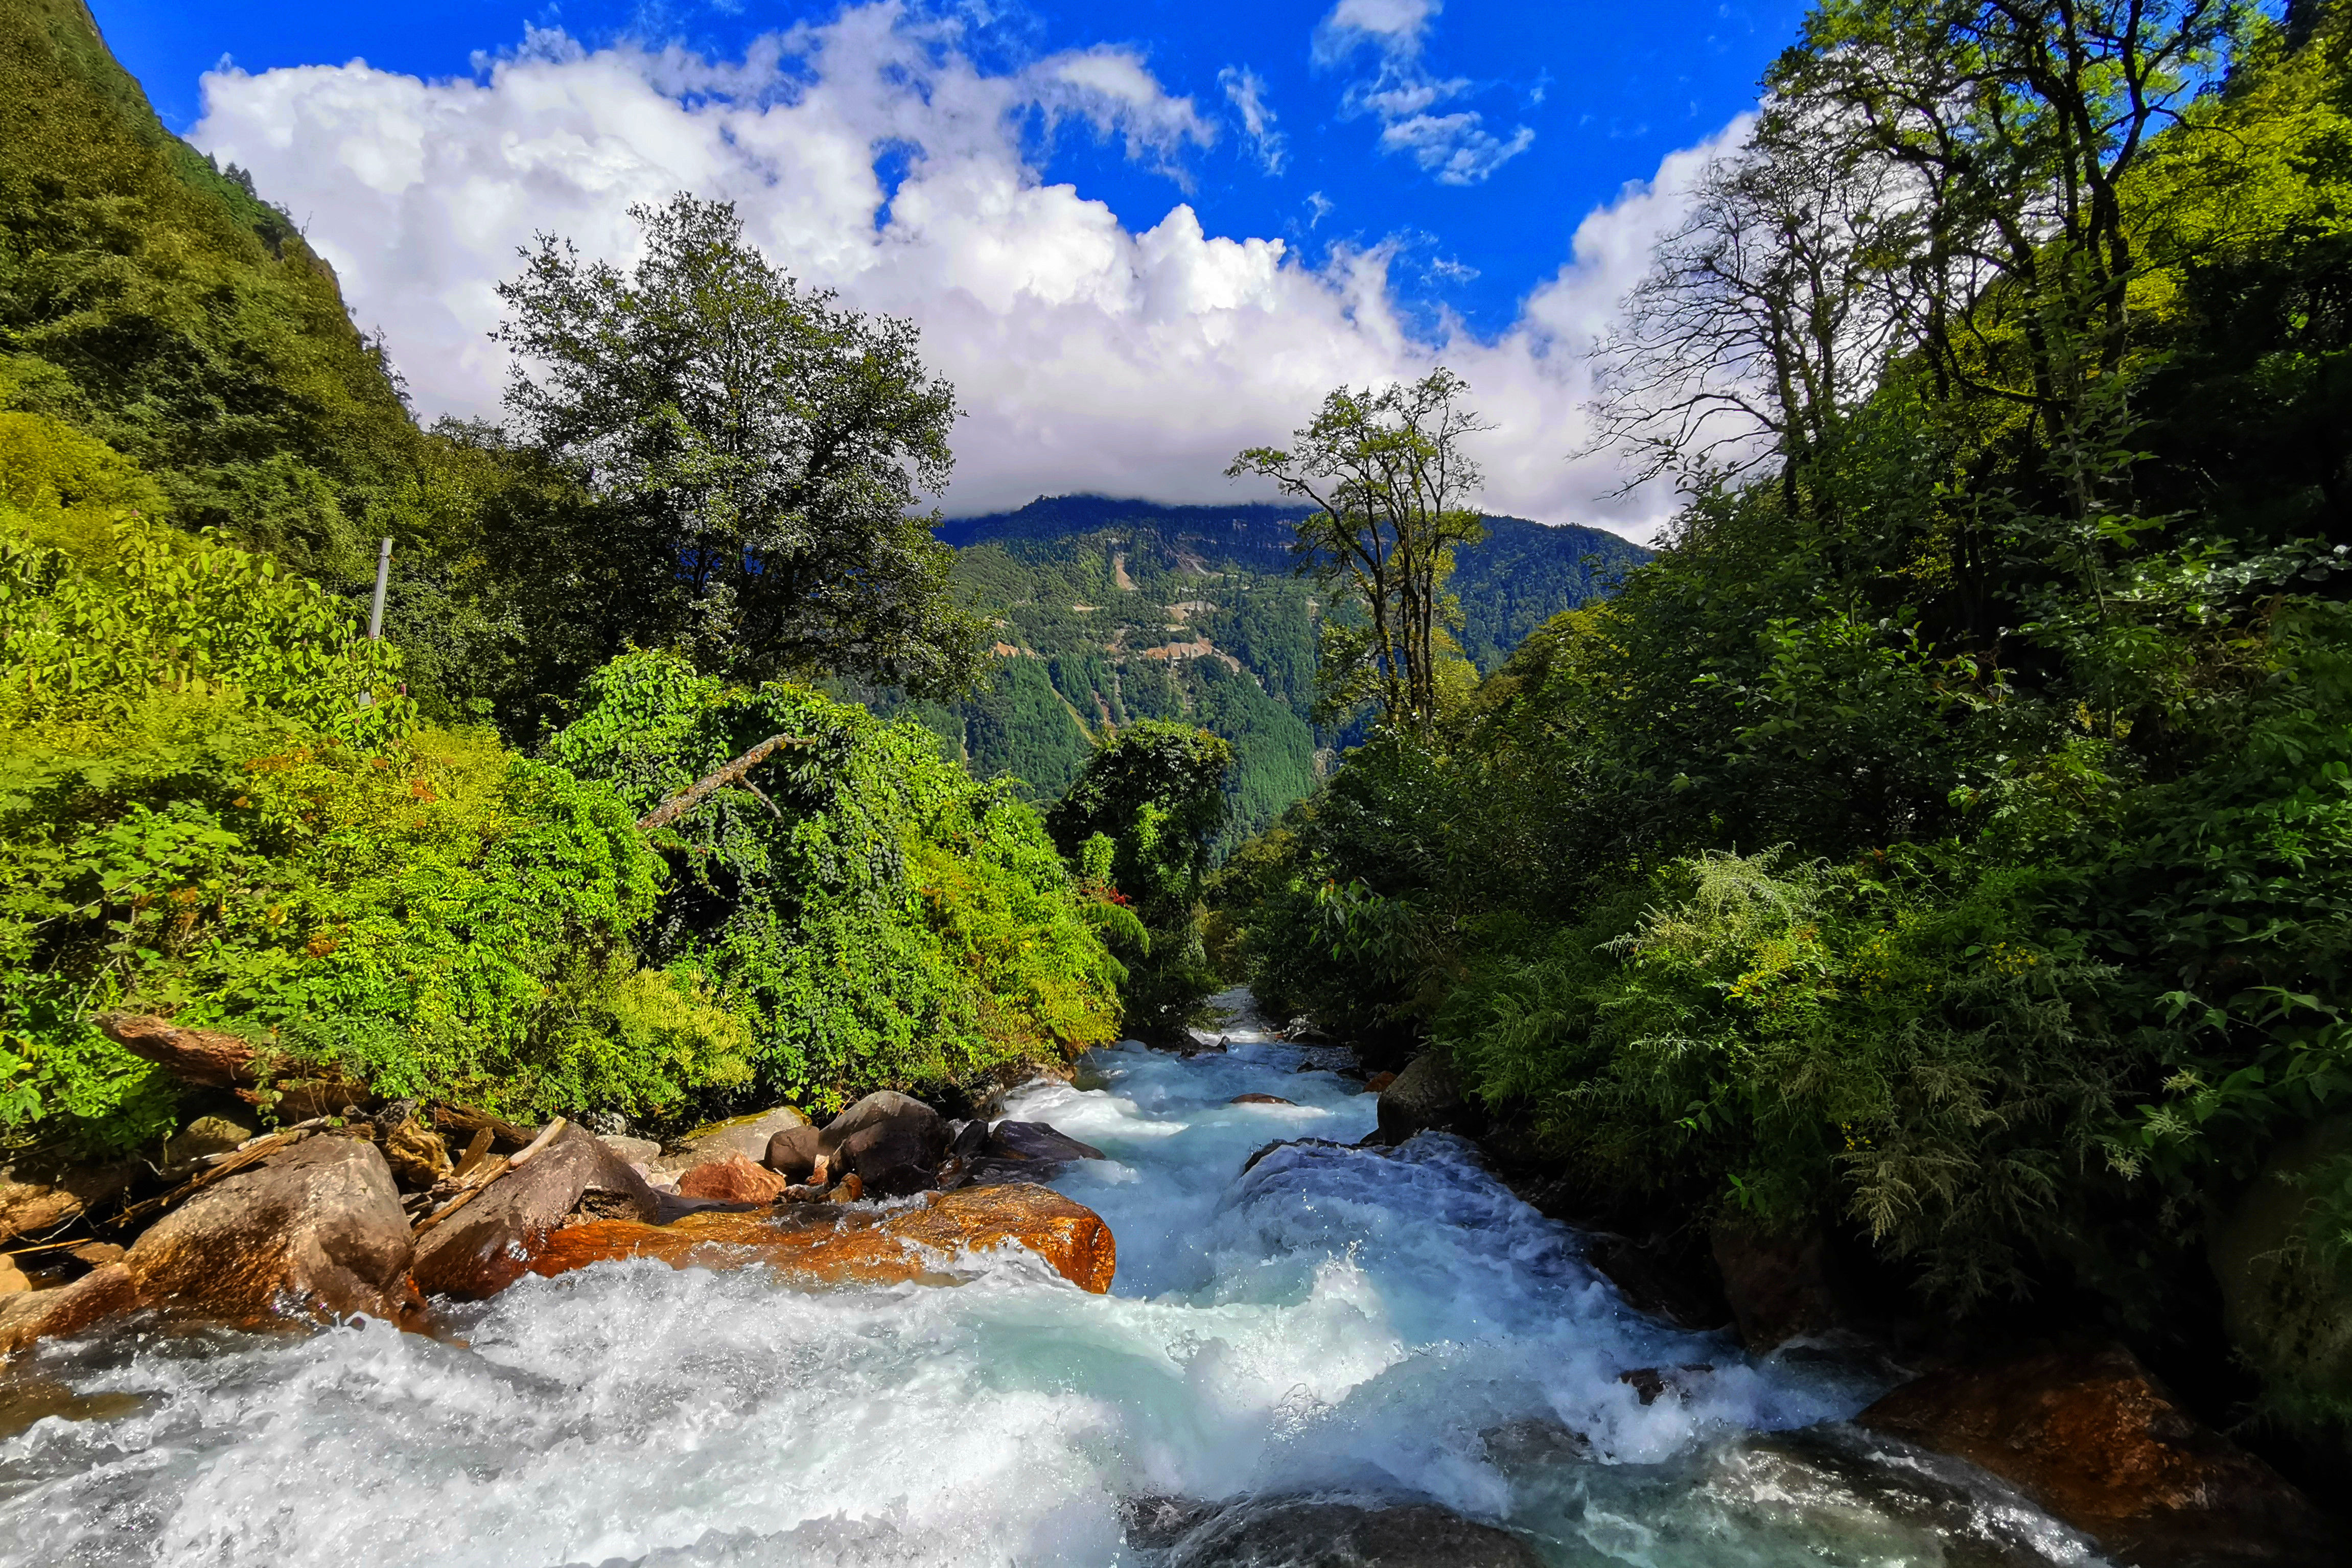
[{"x": 734, "y": 772}]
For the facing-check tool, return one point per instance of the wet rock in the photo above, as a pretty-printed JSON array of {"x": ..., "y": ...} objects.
[
  {"x": 1300, "y": 1532},
  {"x": 1654, "y": 1281},
  {"x": 1156, "y": 1523},
  {"x": 26, "y": 1400},
  {"x": 33, "y": 1202},
  {"x": 204, "y": 1136},
  {"x": 1534, "y": 1442},
  {"x": 1651, "y": 1383},
  {"x": 791, "y": 1154},
  {"x": 1250, "y": 1164},
  {"x": 1260, "y": 1100},
  {"x": 1423, "y": 1098},
  {"x": 33, "y": 1315},
  {"x": 967, "y": 1140},
  {"x": 1777, "y": 1283},
  {"x": 732, "y": 1180},
  {"x": 824, "y": 1245},
  {"x": 2089, "y": 1435},
  {"x": 1038, "y": 1141},
  {"x": 315, "y": 1228},
  {"x": 893, "y": 1143},
  {"x": 97, "y": 1254},
  {"x": 1379, "y": 1080},
  {"x": 486, "y": 1246}
]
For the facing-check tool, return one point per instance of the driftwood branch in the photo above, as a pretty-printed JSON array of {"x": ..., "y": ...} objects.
[{"x": 734, "y": 772}]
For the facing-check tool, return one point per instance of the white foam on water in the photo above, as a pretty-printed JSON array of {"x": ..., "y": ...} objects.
[{"x": 1335, "y": 1319}]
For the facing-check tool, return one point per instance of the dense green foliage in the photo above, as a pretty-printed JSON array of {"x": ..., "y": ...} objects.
[
  {"x": 876, "y": 917},
  {"x": 1139, "y": 823},
  {"x": 1944, "y": 841}
]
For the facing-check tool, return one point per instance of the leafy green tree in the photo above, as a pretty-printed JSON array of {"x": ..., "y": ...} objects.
[
  {"x": 754, "y": 452},
  {"x": 1390, "y": 476},
  {"x": 1153, "y": 794}
]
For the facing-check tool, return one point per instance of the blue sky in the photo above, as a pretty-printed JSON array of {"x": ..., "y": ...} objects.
[{"x": 1455, "y": 152}]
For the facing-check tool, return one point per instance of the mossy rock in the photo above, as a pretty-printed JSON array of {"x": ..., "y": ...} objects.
[{"x": 2288, "y": 1308}]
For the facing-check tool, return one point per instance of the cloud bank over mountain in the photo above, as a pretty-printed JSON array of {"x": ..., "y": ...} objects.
[{"x": 871, "y": 155}]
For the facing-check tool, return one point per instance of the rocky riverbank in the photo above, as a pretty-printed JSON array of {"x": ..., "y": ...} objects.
[{"x": 364, "y": 1211}]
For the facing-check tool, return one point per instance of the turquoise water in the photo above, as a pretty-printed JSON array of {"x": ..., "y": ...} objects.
[{"x": 1335, "y": 1321}]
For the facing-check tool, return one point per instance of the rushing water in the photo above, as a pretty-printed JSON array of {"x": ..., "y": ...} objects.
[{"x": 1335, "y": 1321}]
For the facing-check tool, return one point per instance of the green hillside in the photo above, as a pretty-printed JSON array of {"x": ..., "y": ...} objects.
[
  {"x": 1115, "y": 611},
  {"x": 157, "y": 303}
]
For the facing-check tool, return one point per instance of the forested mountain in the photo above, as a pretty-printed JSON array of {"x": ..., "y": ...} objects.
[{"x": 1116, "y": 610}]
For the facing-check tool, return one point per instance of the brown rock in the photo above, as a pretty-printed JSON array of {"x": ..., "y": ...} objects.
[
  {"x": 204, "y": 1136},
  {"x": 12, "y": 1279},
  {"x": 746, "y": 1135},
  {"x": 90, "y": 1300},
  {"x": 1038, "y": 1141},
  {"x": 894, "y": 1143},
  {"x": 481, "y": 1248},
  {"x": 732, "y": 1180},
  {"x": 1775, "y": 1283},
  {"x": 2092, "y": 1439},
  {"x": 32, "y": 1203},
  {"x": 1260, "y": 1100},
  {"x": 1379, "y": 1080},
  {"x": 829, "y": 1246},
  {"x": 314, "y": 1229},
  {"x": 97, "y": 1254},
  {"x": 791, "y": 1154}
]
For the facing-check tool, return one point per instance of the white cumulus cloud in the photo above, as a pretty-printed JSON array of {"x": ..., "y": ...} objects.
[{"x": 1090, "y": 355}]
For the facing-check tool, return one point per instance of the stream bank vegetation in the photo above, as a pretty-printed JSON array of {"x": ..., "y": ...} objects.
[{"x": 1942, "y": 845}]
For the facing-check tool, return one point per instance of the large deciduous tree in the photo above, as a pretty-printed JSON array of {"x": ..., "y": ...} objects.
[
  {"x": 755, "y": 454},
  {"x": 1389, "y": 473}
]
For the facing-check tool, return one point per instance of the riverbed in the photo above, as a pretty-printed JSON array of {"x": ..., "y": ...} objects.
[{"x": 1373, "y": 1325}]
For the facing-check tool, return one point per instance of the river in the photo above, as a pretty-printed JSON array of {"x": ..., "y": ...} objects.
[{"x": 1337, "y": 1322}]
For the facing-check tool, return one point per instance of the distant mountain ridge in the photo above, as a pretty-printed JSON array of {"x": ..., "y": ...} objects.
[
  {"x": 1522, "y": 574},
  {"x": 1111, "y": 610}
]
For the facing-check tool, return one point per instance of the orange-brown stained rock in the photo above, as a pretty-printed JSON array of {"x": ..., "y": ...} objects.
[
  {"x": 2092, "y": 1438},
  {"x": 854, "y": 1247},
  {"x": 732, "y": 1180}
]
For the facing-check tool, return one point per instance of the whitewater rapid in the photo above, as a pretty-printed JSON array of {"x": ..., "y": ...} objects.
[{"x": 1335, "y": 1322}]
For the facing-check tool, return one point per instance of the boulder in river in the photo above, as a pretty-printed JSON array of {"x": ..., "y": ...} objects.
[
  {"x": 791, "y": 1154},
  {"x": 893, "y": 1143},
  {"x": 824, "y": 1244},
  {"x": 315, "y": 1228},
  {"x": 1777, "y": 1281},
  {"x": 1036, "y": 1141},
  {"x": 732, "y": 1180},
  {"x": 1306, "y": 1533},
  {"x": 1260, "y": 1100},
  {"x": 2089, "y": 1435},
  {"x": 1423, "y": 1097},
  {"x": 746, "y": 1135},
  {"x": 37, "y": 1200},
  {"x": 101, "y": 1294},
  {"x": 483, "y": 1247}
]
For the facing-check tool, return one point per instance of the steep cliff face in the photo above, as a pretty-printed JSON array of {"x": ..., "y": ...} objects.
[{"x": 162, "y": 305}]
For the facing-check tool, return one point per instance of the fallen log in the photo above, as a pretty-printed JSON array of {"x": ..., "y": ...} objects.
[
  {"x": 195, "y": 1056},
  {"x": 734, "y": 772}
]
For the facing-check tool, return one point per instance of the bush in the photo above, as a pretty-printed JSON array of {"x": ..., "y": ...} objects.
[{"x": 876, "y": 917}]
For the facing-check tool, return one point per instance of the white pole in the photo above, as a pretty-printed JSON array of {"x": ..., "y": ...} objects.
[{"x": 382, "y": 576}]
